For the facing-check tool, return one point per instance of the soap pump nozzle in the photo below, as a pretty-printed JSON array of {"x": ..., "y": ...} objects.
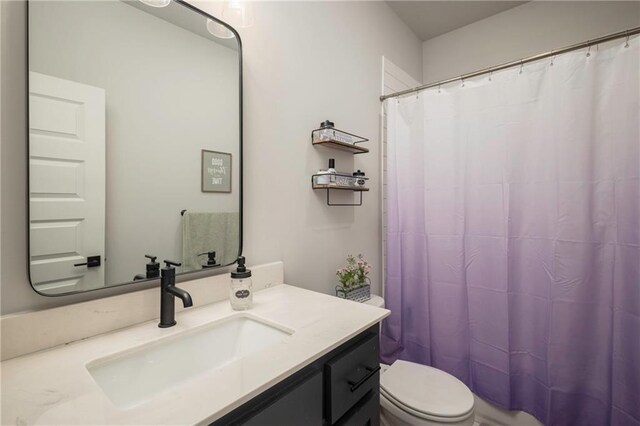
[
  {"x": 332, "y": 165},
  {"x": 241, "y": 271}
]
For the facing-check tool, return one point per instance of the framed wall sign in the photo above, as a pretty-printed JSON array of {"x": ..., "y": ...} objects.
[{"x": 216, "y": 171}]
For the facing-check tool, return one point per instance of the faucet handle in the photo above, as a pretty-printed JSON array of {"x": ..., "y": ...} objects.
[
  {"x": 152, "y": 258},
  {"x": 171, "y": 263}
]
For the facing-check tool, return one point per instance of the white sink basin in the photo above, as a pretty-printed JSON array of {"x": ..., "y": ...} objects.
[{"x": 134, "y": 376}]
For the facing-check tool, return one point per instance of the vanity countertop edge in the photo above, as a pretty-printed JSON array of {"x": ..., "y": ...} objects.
[{"x": 54, "y": 386}]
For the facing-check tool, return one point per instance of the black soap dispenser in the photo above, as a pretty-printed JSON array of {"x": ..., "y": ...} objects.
[
  {"x": 241, "y": 291},
  {"x": 211, "y": 260},
  {"x": 153, "y": 269}
]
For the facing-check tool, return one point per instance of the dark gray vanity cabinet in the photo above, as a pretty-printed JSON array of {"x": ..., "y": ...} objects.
[{"x": 341, "y": 388}]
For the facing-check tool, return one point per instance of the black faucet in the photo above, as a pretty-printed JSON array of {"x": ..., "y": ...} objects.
[{"x": 168, "y": 293}]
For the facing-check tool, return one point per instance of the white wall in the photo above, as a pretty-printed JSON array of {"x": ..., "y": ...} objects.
[
  {"x": 164, "y": 104},
  {"x": 304, "y": 62},
  {"x": 526, "y": 30}
]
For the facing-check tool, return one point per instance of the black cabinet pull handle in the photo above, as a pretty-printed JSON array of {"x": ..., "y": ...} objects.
[
  {"x": 92, "y": 262},
  {"x": 370, "y": 372}
]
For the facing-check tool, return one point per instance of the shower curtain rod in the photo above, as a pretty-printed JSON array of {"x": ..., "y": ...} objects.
[{"x": 627, "y": 33}]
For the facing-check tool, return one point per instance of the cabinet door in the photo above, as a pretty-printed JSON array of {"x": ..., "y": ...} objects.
[
  {"x": 365, "y": 413},
  {"x": 298, "y": 405}
]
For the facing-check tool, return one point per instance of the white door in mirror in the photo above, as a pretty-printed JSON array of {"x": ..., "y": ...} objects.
[{"x": 67, "y": 184}]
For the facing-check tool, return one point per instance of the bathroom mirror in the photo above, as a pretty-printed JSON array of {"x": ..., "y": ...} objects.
[{"x": 135, "y": 142}]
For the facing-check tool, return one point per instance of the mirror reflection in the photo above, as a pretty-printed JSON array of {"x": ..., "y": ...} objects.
[{"x": 134, "y": 142}]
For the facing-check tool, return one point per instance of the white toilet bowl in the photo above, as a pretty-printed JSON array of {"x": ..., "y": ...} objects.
[{"x": 418, "y": 395}]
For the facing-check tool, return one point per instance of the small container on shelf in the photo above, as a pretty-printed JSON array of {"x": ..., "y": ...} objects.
[
  {"x": 358, "y": 178},
  {"x": 326, "y": 177}
]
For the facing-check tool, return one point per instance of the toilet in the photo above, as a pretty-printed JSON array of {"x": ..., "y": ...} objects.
[{"x": 419, "y": 395}]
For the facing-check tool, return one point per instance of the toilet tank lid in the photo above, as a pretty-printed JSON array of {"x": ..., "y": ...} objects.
[
  {"x": 427, "y": 390},
  {"x": 376, "y": 301}
]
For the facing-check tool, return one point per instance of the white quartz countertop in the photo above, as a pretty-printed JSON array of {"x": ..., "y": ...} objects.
[{"x": 54, "y": 386}]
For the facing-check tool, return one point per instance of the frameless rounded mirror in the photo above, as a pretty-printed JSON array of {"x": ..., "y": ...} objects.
[{"x": 135, "y": 142}]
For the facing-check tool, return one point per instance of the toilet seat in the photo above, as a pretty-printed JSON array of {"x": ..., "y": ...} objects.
[
  {"x": 420, "y": 415},
  {"x": 426, "y": 392}
]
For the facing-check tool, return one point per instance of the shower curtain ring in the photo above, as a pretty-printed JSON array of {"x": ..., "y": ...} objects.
[
  {"x": 626, "y": 44},
  {"x": 490, "y": 74},
  {"x": 438, "y": 88},
  {"x": 521, "y": 65},
  {"x": 589, "y": 49}
]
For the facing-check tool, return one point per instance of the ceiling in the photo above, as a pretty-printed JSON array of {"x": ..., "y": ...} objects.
[{"x": 429, "y": 19}]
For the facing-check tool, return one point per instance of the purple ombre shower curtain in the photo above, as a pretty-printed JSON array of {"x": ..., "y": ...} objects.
[{"x": 513, "y": 235}]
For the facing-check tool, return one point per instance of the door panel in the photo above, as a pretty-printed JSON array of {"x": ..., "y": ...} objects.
[
  {"x": 57, "y": 269},
  {"x": 54, "y": 114},
  {"x": 55, "y": 177},
  {"x": 56, "y": 238},
  {"x": 67, "y": 183}
]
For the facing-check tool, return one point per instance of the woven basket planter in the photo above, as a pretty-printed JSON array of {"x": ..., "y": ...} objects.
[{"x": 360, "y": 294}]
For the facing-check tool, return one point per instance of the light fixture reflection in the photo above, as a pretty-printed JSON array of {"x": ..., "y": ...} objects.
[
  {"x": 238, "y": 13},
  {"x": 218, "y": 29},
  {"x": 156, "y": 3}
]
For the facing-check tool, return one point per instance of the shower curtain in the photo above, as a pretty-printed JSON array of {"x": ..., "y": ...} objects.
[{"x": 513, "y": 235}]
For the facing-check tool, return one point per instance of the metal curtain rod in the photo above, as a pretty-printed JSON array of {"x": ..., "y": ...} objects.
[{"x": 627, "y": 33}]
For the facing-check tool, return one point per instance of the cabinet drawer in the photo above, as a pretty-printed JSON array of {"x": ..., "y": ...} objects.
[
  {"x": 365, "y": 413},
  {"x": 351, "y": 375}
]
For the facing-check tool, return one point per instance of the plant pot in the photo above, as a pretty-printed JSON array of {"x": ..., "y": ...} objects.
[{"x": 358, "y": 294}]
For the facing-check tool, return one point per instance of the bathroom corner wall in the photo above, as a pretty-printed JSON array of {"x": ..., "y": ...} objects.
[
  {"x": 529, "y": 29},
  {"x": 304, "y": 62}
]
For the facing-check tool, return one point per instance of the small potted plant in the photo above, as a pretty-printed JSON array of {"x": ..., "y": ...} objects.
[{"x": 354, "y": 282}]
